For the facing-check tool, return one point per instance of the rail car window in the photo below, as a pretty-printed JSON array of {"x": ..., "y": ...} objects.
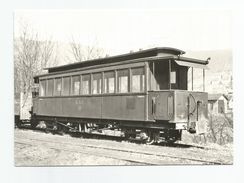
[
  {"x": 86, "y": 86},
  {"x": 66, "y": 86},
  {"x": 96, "y": 83},
  {"x": 178, "y": 77},
  {"x": 42, "y": 88},
  {"x": 173, "y": 77},
  {"x": 109, "y": 80},
  {"x": 138, "y": 79},
  {"x": 49, "y": 87},
  {"x": 57, "y": 87},
  {"x": 75, "y": 85},
  {"x": 123, "y": 81}
]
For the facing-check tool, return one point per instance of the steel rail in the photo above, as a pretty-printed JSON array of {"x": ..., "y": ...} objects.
[{"x": 89, "y": 152}]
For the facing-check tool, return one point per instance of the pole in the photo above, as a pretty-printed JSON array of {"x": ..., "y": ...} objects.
[
  {"x": 203, "y": 80},
  {"x": 192, "y": 78},
  {"x": 153, "y": 83},
  {"x": 169, "y": 75}
]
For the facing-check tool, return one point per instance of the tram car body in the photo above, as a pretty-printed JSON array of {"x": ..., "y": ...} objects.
[{"x": 145, "y": 91}]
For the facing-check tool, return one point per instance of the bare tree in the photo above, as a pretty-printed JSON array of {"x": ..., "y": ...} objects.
[
  {"x": 81, "y": 53},
  {"x": 30, "y": 57},
  {"x": 48, "y": 55},
  {"x": 26, "y": 54}
]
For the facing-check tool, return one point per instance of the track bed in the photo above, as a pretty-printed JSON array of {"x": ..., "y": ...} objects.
[{"x": 34, "y": 148}]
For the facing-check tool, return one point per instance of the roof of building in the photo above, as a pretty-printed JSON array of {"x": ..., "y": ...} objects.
[
  {"x": 229, "y": 96},
  {"x": 215, "y": 96}
]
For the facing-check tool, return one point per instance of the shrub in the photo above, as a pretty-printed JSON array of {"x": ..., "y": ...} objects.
[{"x": 219, "y": 131}]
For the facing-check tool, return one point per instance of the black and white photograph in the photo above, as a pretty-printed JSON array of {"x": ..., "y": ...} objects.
[
  {"x": 121, "y": 91},
  {"x": 123, "y": 87}
]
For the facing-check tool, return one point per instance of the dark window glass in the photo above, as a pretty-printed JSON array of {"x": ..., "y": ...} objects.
[
  {"x": 123, "y": 81},
  {"x": 109, "y": 80},
  {"x": 86, "y": 84},
  {"x": 57, "y": 86},
  {"x": 138, "y": 79},
  {"x": 49, "y": 87},
  {"x": 96, "y": 83},
  {"x": 42, "y": 88},
  {"x": 66, "y": 86},
  {"x": 75, "y": 85}
]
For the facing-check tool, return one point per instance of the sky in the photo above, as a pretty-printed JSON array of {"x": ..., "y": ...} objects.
[{"x": 119, "y": 31}]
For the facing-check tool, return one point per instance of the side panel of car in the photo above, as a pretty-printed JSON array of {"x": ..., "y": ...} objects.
[
  {"x": 161, "y": 105},
  {"x": 119, "y": 107},
  {"x": 190, "y": 104},
  {"x": 124, "y": 107}
]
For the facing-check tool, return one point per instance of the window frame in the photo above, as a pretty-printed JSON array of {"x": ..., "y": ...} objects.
[
  {"x": 55, "y": 84},
  {"x": 142, "y": 78},
  {"x": 118, "y": 89},
  {"x": 62, "y": 86},
  {"x": 99, "y": 84},
  {"x": 72, "y": 85},
  {"x": 113, "y": 85},
  {"x": 107, "y": 83},
  {"x": 47, "y": 87},
  {"x": 44, "y": 89},
  {"x": 89, "y": 84}
]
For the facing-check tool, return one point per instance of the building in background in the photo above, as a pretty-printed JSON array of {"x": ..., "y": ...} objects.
[{"x": 217, "y": 103}]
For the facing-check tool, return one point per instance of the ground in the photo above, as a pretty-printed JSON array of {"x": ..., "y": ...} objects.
[{"x": 33, "y": 148}]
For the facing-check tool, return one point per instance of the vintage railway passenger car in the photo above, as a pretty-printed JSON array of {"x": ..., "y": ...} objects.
[{"x": 143, "y": 94}]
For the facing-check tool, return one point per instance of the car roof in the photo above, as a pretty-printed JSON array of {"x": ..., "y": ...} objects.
[{"x": 162, "y": 51}]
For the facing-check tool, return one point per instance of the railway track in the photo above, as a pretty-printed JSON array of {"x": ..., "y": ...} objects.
[
  {"x": 137, "y": 157},
  {"x": 88, "y": 152}
]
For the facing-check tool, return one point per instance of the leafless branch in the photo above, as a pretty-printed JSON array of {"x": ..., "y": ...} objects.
[
  {"x": 30, "y": 56},
  {"x": 81, "y": 53}
]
